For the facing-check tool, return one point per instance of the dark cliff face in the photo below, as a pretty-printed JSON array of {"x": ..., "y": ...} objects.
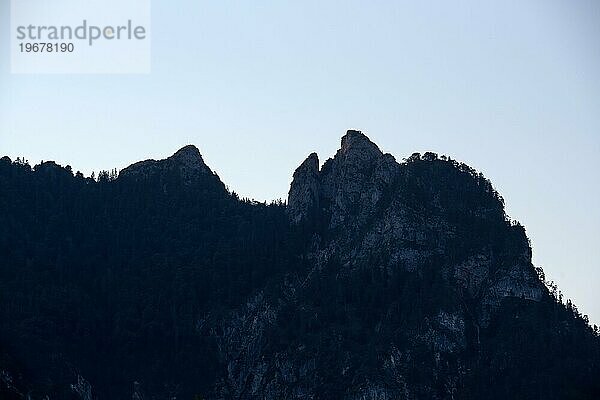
[{"x": 378, "y": 280}]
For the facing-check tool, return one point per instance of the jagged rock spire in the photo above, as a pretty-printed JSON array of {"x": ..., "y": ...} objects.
[
  {"x": 353, "y": 173},
  {"x": 304, "y": 191}
]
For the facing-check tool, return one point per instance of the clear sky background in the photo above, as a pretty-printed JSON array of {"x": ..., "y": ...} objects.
[{"x": 510, "y": 87}]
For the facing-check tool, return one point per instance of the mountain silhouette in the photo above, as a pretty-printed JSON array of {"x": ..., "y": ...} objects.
[{"x": 376, "y": 280}]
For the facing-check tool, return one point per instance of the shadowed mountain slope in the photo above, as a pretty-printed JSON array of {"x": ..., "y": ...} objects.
[{"x": 377, "y": 280}]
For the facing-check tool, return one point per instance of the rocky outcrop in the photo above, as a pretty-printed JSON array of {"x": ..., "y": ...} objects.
[
  {"x": 187, "y": 162},
  {"x": 348, "y": 187},
  {"x": 82, "y": 388},
  {"x": 303, "y": 201},
  {"x": 252, "y": 371},
  {"x": 362, "y": 200}
]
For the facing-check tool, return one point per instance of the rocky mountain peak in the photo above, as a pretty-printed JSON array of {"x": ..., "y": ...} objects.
[
  {"x": 362, "y": 203},
  {"x": 187, "y": 160},
  {"x": 189, "y": 156},
  {"x": 357, "y": 153},
  {"x": 356, "y": 144},
  {"x": 353, "y": 179}
]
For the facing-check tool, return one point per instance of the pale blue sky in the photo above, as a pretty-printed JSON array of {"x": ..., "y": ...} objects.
[{"x": 510, "y": 87}]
